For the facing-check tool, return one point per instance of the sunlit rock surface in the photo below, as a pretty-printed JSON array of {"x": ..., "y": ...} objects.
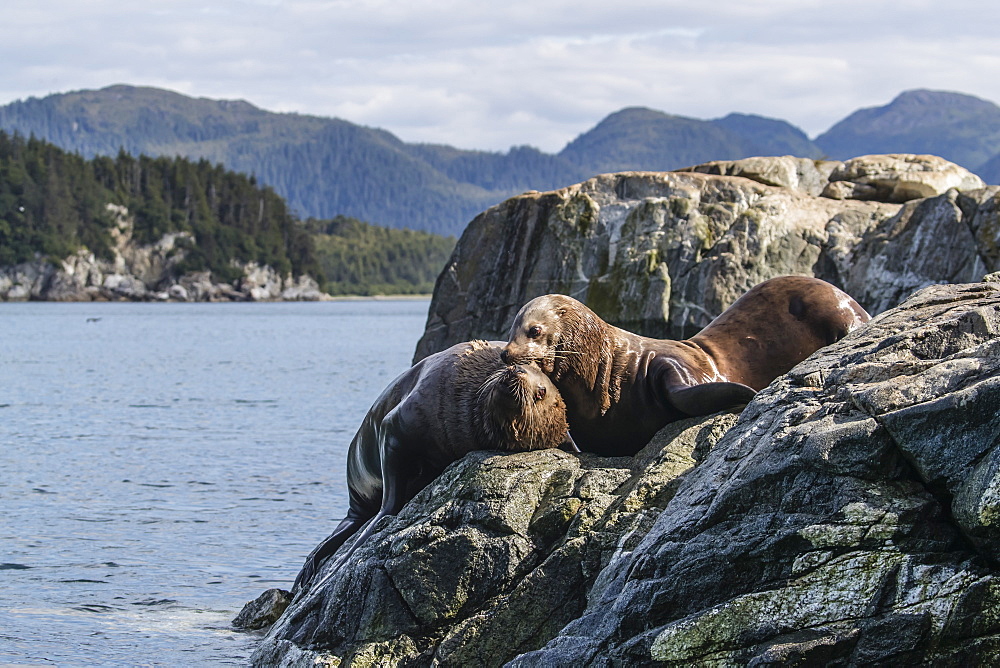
[{"x": 662, "y": 253}]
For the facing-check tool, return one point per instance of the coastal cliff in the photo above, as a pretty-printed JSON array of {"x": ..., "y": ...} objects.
[
  {"x": 847, "y": 515},
  {"x": 144, "y": 272}
]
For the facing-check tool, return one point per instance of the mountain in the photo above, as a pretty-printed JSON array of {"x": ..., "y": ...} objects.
[
  {"x": 323, "y": 167},
  {"x": 960, "y": 128},
  {"x": 645, "y": 139},
  {"x": 989, "y": 171},
  {"x": 326, "y": 167}
]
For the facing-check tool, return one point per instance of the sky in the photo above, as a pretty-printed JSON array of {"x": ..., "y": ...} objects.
[{"x": 492, "y": 75}]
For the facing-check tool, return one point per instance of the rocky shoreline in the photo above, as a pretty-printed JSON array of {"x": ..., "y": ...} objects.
[{"x": 145, "y": 273}]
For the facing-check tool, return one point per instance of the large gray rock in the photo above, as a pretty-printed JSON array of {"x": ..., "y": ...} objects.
[
  {"x": 898, "y": 178},
  {"x": 491, "y": 560},
  {"x": 949, "y": 238},
  {"x": 809, "y": 176},
  {"x": 657, "y": 253},
  {"x": 849, "y": 516},
  {"x": 662, "y": 254}
]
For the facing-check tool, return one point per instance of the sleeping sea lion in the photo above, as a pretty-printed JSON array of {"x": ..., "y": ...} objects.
[
  {"x": 445, "y": 406},
  {"x": 621, "y": 388}
]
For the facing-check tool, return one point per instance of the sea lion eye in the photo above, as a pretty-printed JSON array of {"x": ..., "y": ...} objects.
[
  {"x": 539, "y": 393},
  {"x": 534, "y": 331}
]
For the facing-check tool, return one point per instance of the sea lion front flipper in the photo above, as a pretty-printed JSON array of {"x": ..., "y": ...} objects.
[
  {"x": 397, "y": 467},
  {"x": 347, "y": 528},
  {"x": 709, "y": 398}
]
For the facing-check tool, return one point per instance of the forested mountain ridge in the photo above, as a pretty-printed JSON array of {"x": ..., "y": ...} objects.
[
  {"x": 643, "y": 139},
  {"x": 327, "y": 167},
  {"x": 322, "y": 167},
  {"x": 957, "y": 127},
  {"x": 193, "y": 216},
  {"x": 362, "y": 259},
  {"x": 53, "y": 202}
]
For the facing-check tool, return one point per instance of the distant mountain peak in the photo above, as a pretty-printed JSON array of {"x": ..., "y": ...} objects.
[
  {"x": 923, "y": 97},
  {"x": 958, "y": 127}
]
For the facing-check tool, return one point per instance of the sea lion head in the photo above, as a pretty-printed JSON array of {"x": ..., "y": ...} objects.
[
  {"x": 562, "y": 336},
  {"x": 537, "y": 331},
  {"x": 522, "y": 410}
]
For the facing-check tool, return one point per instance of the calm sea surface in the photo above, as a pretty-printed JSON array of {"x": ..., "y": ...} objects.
[{"x": 163, "y": 464}]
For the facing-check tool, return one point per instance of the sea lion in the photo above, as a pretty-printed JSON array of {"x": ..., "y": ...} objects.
[
  {"x": 621, "y": 388},
  {"x": 445, "y": 406}
]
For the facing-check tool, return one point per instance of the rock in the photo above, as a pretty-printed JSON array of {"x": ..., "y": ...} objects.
[
  {"x": 495, "y": 555},
  {"x": 898, "y": 178},
  {"x": 662, "y": 254},
  {"x": 263, "y": 611},
  {"x": 178, "y": 293},
  {"x": 848, "y": 516},
  {"x": 950, "y": 238},
  {"x": 809, "y": 176}
]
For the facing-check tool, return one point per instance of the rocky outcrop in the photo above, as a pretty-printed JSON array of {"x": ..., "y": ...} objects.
[
  {"x": 950, "y": 238},
  {"x": 898, "y": 178},
  {"x": 144, "y": 273},
  {"x": 663, "y": 253},
  {"x": 847, "y": 516},
  {"x": 809, "y": 176}
]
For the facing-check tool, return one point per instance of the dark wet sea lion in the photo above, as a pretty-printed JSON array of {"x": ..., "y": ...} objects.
[
  {"x": 621, "y": 388},
  {"x": 445, "y": 406}
]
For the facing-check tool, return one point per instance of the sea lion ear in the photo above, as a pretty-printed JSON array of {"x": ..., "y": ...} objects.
[{"x": 709, "y": 398}]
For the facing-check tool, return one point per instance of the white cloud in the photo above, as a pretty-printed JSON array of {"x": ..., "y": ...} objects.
[{"x": 492, "y": 75}]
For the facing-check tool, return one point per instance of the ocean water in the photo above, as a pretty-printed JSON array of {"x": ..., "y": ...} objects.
[{"x": 163, "y": 464}]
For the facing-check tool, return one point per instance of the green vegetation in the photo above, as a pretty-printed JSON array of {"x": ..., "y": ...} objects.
[
  {"x": 50, "y": 203},
  {"x": 363, "y": 259},
  {"x": 53, "y": 203}
]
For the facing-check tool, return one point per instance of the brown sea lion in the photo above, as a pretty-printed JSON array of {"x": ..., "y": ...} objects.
[
  {"x": 445, "y": 406},
  {"x": 621, "y": 388}
]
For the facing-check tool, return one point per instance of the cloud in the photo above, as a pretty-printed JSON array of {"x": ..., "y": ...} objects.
[{"x": 492, "y": 75}]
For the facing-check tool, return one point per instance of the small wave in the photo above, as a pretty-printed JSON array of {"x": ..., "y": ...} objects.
[
  {"x": 14, "y": 567},
  {"x": 84, "y": 581},
  {"x": 152, "y": 601},
  {"x": 95, "y": 607},
  {"x": 147, "y": 406}
]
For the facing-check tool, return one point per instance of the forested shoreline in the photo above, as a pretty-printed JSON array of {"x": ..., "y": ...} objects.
[{"x": 54, "y": 203}]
